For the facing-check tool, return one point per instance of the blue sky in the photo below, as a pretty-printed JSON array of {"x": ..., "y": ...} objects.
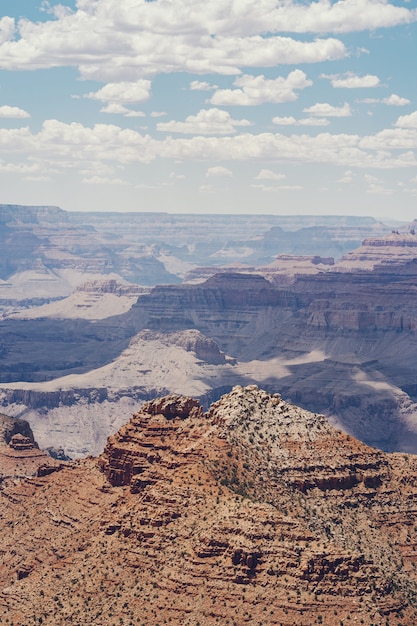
[{"x": 232, "y": 106}]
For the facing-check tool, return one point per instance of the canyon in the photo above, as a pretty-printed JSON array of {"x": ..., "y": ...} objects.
[{"x": 336, "y": 336}]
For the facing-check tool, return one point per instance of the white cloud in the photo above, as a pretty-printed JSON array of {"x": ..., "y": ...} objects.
[
  {"x": 285, "y": 121},
  {"x": 206, "y": 122},
  {"x": 158, "y": 113},
  {"x": 306, "y": 121},
  {"x": 7, "y": 29},
  {"x": 274, "y": 188},
  {"x": 407, "y": 121},
  {"x": 254, "y": 90},
  {"x": 198, "y": 85},
  {"x": 13, "y": 112},
  {"x": 219, "y": 171},
  {"x": 119, "y": 109},
  {"x": 269, "y": 175},
  {"x": 323, "y": 109},
  {"x": 313, "y": 121},
  {"x": 379, "y": 189},
  {"x": 112, "y": 42},
  {"x": 19, "y": 168},
  {"x": 351, "y": 81},
  {"x": 392, "y": 100},
  {"x": 78, "y": 147},
  {"x": 123, "y": 92},
  {"x": 59, "y": 10},
  {"x": 396, "y": 101}
]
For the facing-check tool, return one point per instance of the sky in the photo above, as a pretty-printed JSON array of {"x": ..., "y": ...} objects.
[{"x": 231, "y": 106}]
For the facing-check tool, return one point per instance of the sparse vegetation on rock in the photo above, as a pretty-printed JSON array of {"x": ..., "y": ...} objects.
[{"x": 182, "y": 520}]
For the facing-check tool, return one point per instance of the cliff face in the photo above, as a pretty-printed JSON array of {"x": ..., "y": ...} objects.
[
  {"x": 254, "y": 512},
  {"x": 46, "y": 252},
  {"x": 339, "y": 342}
]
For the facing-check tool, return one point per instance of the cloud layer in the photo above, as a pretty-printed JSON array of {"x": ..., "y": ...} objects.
[{"x": 237, "y": 90}]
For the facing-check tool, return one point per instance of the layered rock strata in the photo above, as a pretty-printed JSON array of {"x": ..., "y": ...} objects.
[{"x": 255, "y": 512}]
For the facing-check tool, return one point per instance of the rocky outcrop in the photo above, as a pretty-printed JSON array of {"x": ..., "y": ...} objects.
[
  {"x": 391, "y": 250},
  {"x": 10, "y": 427},
  {"x": 200, "y": 518},
  {"x": 111, "y": 286},
  {"x": 141, "y": 452},
  {"x": 20, "y": 455}
]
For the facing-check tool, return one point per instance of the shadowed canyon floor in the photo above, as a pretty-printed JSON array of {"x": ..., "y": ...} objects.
[{"x": 256, "y": 512}]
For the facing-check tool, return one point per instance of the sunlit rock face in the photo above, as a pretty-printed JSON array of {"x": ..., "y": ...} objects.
[{"x": 254, "y": 510}]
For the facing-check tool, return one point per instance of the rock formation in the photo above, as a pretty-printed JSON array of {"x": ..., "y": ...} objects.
[
  {"x": 45, "y": 252},
  {"x": 255, "y": 512},
  {"x": 20, "y": 455},
  {"x": 335, "y": 341}
]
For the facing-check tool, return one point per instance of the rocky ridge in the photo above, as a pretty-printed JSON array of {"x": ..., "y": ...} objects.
[{"x": 255, "y": 512}]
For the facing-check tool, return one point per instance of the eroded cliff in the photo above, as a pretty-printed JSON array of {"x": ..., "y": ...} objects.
[{"x": 256, "y": 512}]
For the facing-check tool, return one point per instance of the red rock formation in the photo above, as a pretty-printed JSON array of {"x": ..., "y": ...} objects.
[{"x": 256, "y": 512}]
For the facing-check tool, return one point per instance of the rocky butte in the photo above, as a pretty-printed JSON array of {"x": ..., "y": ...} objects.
[{"x": 255, "y": 512}]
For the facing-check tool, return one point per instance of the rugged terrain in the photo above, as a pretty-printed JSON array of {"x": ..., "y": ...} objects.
[
  {"x": 256, "y": 512},
  {"x": 335, "y": 337},
  {"x": 46, "y": 253},
  {"x": 338, "y": 342}
]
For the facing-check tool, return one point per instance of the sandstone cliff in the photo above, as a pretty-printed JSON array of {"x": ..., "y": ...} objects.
[{"x": 255, "y": 512}]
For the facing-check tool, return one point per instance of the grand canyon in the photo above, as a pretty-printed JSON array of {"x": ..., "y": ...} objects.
[
  {"x": 115, "y": 310},
  {"x": 212, "y": 419}
]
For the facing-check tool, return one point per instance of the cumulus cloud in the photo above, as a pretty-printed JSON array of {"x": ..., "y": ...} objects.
[
  {"x": 206, "y": 122},
  {"x": 392, "y": 100},
  {"x": 379, "y": 189},
  {"x": 198, "y": 85},
  {"x": 7, "y": 29},
  {"x": 274, "y": 188},
  {"x": 254, "y": 90},
  {"x": 75, "y": 146},
  {"x": 123, "y": 92},
  {"x": 323, "y": 109},
  {"x": 313, "y": 121},
  {"x": 288, "y": 120},
  {"x": 269, "y": 175},
  {"x": 111, "y": 41},
  {"x": 58, "y": 10},
  {"x": 396, "y": 101},
  {"x": 219, "y": 171},
  {"x": 407, "y": 121},
  {"x": 19, "y": 168},
  {"x": 305, "y": 121},
  {"x": 351, "y": 81},
  {"x": 13, "y": 112},
  {"x": 119, "y": 109}
]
